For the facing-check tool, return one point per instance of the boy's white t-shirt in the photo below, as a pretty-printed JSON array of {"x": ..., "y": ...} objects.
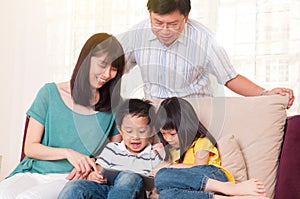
[{"x": 116, "y": 156}]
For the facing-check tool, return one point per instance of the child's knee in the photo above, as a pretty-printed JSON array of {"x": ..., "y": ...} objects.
[{"x": 127, "y": 178}]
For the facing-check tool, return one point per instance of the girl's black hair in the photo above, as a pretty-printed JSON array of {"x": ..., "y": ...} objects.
[
  {"x": 177, "y": 113},
  {"x": 163, "y": 7},
  {"x": 96, "y": 45}
]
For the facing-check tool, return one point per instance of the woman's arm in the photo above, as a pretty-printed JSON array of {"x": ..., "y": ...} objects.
[{"x": 34, "y": 149}]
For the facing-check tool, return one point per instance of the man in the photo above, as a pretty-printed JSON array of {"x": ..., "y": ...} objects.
[{"x": 177, "y": 56}]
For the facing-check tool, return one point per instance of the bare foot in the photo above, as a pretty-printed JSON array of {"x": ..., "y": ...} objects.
[
  {"x": 240, "y": 197},
  {"x": 252, "y": 187},
  {"x": 249, "y": 197}
]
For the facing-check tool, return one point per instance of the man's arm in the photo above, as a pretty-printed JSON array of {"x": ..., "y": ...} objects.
[{"x": 243, "y": 86}]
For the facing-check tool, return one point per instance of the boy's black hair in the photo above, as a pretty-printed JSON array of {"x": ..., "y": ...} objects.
[
  {"x": 136, "y": 107},
  {"x": 163, "y": 7}
]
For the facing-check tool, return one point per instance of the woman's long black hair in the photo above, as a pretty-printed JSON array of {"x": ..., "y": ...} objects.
[
  {"x": 96, "y": 45},
  {"x": 177, "y": 113}
]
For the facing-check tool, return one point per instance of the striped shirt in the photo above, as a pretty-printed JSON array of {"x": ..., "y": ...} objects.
[
  {"x": 182, "y": 69},
  {"x": 116, "y": 156}
]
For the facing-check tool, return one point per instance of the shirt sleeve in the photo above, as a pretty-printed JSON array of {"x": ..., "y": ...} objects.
[
  {"x": 204, "y": 144},
  {"x": 126, "y": 39},
  {"x": 104, "y": 158},
  {"x": 39, "y": 107},
  {"x": 220, "y": 65}
]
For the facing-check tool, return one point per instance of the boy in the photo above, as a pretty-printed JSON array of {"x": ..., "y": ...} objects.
[{"x": 133, "y": 155}]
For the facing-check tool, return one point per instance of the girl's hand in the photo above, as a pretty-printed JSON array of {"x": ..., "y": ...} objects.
[
  {"x": 158, "y": 148},
  {"x": 82, "y": 164},
  {"x": 159, "y": 166}
]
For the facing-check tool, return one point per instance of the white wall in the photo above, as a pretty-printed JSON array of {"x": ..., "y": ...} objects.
[
  {"x": 20, "y": 54},
  {"x": 6, "y": 61},
  {"x": 24, "y": 68}
]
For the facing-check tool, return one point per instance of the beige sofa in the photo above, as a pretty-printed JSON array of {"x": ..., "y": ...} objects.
[{"x": 249, "y": 131}]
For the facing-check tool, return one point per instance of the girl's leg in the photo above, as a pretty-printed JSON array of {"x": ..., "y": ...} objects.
[
  {"x": 181, "y": 193},
  {"x": 240, "y": 197},
  {"x": 194, "y": 178},
  {"x": 84, "y": 189},
  {"x": 127, "y": 185},
  {"x": 252, "y": 187}
]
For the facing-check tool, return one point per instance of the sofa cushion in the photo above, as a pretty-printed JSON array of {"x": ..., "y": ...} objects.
[
  {"x": 257, "y": 123},
  {"x": 288, "y": 185},
  {"x": 232, "y": 157}
]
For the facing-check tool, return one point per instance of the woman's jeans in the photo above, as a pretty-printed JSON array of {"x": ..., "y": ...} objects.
[
  {"x": 182, "y": 183},
  {"x": 127, "y": 185}
]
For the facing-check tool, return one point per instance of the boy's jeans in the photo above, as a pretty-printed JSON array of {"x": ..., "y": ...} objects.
[
  {"x": 182, "y": 183},
  {"x": 127, "y": 185}
]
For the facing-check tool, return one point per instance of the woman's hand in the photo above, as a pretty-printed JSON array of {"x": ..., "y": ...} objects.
[{"x": 82, "y": 164}]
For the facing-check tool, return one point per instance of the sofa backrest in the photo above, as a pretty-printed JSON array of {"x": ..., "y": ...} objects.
[{"x": 249, "y": 131}]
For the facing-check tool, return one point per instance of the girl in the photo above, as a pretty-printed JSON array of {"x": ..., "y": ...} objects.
[
  {"x": 195, "y": 170},
  {"x": 68, "y": 122}
]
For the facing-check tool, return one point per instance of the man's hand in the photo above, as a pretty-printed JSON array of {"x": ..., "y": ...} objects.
[{"x": 283, "y": 91}]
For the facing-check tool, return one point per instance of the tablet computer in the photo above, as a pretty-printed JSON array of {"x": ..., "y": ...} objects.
[{"x": 111, "y": 174}]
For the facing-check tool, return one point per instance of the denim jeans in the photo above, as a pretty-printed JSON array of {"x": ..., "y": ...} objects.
[
  {"x": 182, "y": 183},
  {"x": 127, "y": 185}
]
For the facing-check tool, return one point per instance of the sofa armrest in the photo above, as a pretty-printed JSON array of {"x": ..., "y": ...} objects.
[{"x": 288, "y": 184}]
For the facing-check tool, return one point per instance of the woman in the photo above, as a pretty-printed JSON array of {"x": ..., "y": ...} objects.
[{"x": 69, "y": 122}]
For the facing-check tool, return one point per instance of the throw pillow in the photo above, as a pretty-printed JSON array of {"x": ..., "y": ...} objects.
[{"x": 232, "y": 158}]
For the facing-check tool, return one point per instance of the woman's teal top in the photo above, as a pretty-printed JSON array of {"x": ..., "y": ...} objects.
[{"x": 65, "y": 128}]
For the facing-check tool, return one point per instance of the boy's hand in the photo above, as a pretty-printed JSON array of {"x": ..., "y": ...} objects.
[{"x": 97, "y": 177}]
